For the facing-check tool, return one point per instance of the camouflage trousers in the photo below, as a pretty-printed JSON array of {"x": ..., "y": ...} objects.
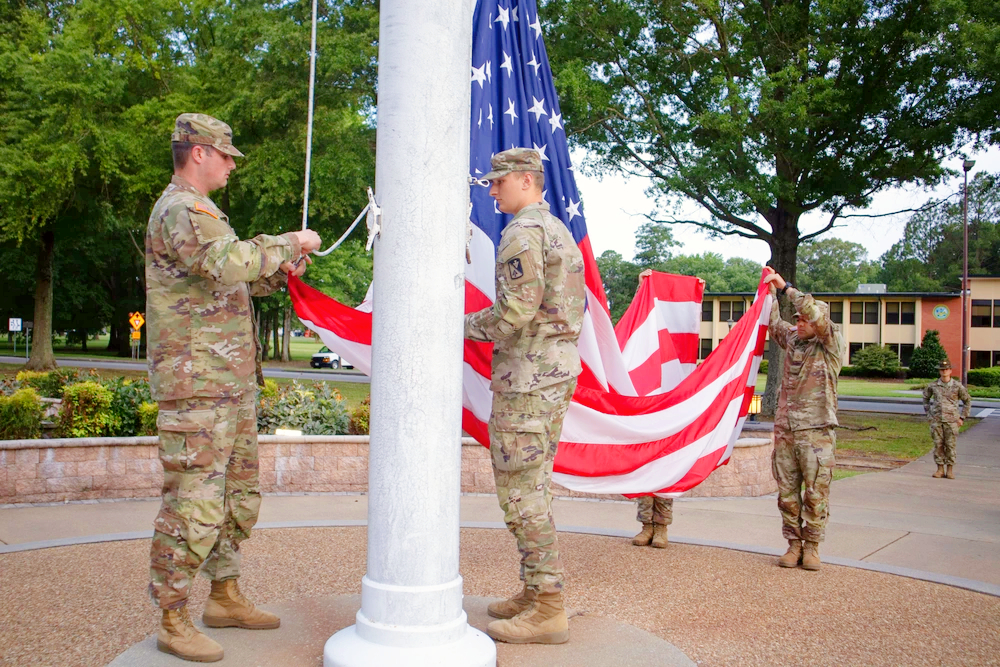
[
  {"x": 211, "y": 495},
  {"x": 653, "y": 509},
  {"x": 945, "y": 436},
  {"x": 804, "y": 457},
  {"x": 524, "y": 434}
]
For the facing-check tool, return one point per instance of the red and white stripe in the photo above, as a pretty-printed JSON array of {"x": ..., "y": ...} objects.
[{"x": 614, "y": 441}]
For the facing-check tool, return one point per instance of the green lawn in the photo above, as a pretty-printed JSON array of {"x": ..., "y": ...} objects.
[
  {"x": 864, "y": 387},
  {"x": 902, "y": 437}
]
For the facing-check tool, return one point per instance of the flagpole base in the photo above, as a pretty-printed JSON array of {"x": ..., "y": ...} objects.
[{"x": 348, "y": 649}]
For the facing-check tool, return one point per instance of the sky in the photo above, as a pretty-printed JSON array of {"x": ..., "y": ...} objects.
[{"x": 615, "y": 208}]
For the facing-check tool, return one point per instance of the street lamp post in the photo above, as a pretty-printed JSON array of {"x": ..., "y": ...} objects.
[{"x": 967, "y": 165}]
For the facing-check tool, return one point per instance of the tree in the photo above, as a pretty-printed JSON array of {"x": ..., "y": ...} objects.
[
  {"x": 652, "y": 244},
  {"x": 834, "y": 265},
  {"x": 621, "y": 279},
  {"x": 761, "y": 112},
  {"x": 925, "y": 359},
  {"x": 929, "y": 256}
]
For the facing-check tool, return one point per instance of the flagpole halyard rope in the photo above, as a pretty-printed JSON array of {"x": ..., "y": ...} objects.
[{"x": 309, "y": 121}]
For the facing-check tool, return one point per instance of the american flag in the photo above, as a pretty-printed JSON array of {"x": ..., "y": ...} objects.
[{"x": 644, "y": 419}]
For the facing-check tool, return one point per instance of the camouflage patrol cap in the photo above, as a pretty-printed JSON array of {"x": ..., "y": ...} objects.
[
  {"x": 944, "y": 365},
  {"x": 824, "y": 309},
  {"x": 514, "y": 159},
  {"x": 198, "y": 128}
]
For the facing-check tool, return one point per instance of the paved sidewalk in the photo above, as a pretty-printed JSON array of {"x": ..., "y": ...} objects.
[{"x": 898, "y": 519}]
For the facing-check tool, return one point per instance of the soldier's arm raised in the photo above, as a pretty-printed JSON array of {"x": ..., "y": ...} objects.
[
  {"x": 208, "y": 247},
  {"x": 777, "y": 327}
]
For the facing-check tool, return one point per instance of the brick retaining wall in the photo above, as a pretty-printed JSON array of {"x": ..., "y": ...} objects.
[{"x": 42, "y": 471}]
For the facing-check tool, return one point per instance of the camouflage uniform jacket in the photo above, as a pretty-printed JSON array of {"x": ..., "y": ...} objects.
[
  {"x": 809, "y": 382},
  {"x": 536, "y": 319},
  {"x": 941, "y": 401},
  {"x": 199, "y": 279}
]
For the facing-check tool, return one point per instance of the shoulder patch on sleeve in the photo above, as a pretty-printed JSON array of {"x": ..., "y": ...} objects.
[{"x": 200, "y": 208}]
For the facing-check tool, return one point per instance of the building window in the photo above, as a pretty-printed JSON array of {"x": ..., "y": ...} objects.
[
  {"x": 980, "y": 359},
  {"x": 854, "y": 349},
  {"x": 905, "y": 354},
  {"x": 981, "y": 313},
  {"x": 837, "y": 312},
  {"x": 731, "y": 310},
  {"x": 892, "y": 313},
  {"x": 705, "y": 348},
  {"x": 706, "y": 310},
  {"x": 857, "y": 312},
  {"x": 996, "y": 316},
  {"x": 871, "y": 312},
  {"x": 908, "y": 312},
  {"x": 996, "y": 358}
]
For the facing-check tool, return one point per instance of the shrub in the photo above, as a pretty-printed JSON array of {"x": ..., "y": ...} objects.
[
  {"x": 86, "y": 411},
  {"x": 21, "y": 415},
  {"x": 127, "y": 395},
  {"x": 763, "y": 367},
  {"x": 318, "y": 410},
  {"x": 361, "y": 417},
  {"x": 148, "y": 412},
  {"x": 850, "y": 372},
  {"x": 877, "y": 361},
  {"x": 925, "y": 359},
  {"x": 985, "y": 377},
  {"x": 49, "y": 384}
]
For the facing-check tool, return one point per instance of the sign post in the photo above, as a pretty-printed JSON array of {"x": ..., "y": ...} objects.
[
  {"x": 14, "y": 326},
  {"x": 136, "y": 320}
]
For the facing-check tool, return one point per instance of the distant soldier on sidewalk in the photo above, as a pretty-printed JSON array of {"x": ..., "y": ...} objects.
[
  {"x": 804, "y": 440},
  {"x": 534, "y": 325},
  {"x": 941, "y": 399}
]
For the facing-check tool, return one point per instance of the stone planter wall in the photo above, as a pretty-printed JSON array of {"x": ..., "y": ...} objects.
[{"x": 56, "y": 470}]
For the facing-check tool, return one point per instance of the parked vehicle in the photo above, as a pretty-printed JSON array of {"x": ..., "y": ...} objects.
[{"x": 327, "y": 359}]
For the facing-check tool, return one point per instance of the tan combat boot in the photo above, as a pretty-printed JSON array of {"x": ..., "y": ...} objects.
[
  {"x": 179, "y": 637},
  {"x": 939, "y": 473},
  {"x": 793, "y": 556},
  {"x": 544, "y": 623},
  {"x": 512, "y": 607},
  {"x": 659, "y": 536},
  {"x": 951, "y": 472},
  {"x": 227, "y": 608},
  {"x": 645, "y": 537},
  {"x": 810, "y": 556}
]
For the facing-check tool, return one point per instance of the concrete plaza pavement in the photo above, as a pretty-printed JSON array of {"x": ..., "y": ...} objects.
[{"x": 891, "y": 521}]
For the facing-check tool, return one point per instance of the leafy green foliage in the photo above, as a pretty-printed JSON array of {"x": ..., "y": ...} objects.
[
  {"x": 361, "y": 417},
  {"x": 86, "y": 411},
  {"x": 315, "y": 410},
  {"x": 51, "y": 384},
  {"x": 833, "y": 265},
  {"x": 148, "y": 412},
  {"x": 128, "y": 395},
  {"x": 877, "y": 361},
  {"x": 21, "y": 415},
  {"x": 984, "y": 377},
  {"x": 925, "y": 359}
]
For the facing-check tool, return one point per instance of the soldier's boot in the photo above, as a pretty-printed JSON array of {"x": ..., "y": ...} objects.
[
  {"x": 659, "y": 536},
  {"x": 544, "y": 622},
  {"x": 951, "y": 472},
  {"x": 227, "y": 608},
  {"x": 793, "y": 556},
  {"x": 645, "y": 537},
  {"x": 939, "y": 473},
  {"x": 810, "y": 556},
  {"x": 512, "y": 607},
  {"x": 179, "y": 637}
]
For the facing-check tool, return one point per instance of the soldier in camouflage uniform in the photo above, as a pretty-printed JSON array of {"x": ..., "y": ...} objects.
[
  {"x": 202, "y": 359},
  {"x": 804, "y": 440},
  {"x": 655, "y": 514},
  {"x": 941, "y": 399},
  {"x": 534, "y": 324}
]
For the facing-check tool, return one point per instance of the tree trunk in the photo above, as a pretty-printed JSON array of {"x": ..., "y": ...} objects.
[
  {"x": 286, "y": 336},
  {"x": 784, "y": 244},
  {"x": 84, "y": 348},
  {"x": 42, "y": 357},
  {"x": 265, "y": 333},
  {"x": 276, "y": 348}
]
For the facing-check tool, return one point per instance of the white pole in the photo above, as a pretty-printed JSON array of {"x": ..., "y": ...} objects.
[
  {"x": 309, "y": 120},
  {"x": 411, "y": 596}
]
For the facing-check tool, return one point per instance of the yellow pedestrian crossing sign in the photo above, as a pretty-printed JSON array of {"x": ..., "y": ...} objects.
[{"x": 136, "y": 320}]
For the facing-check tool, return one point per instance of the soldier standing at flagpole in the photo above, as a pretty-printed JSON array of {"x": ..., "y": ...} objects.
[
  {"x": 534, "y": 324},
  {"x": 202, "y": 356},
  {"x": 941, "y": 399},
  {"x": 804, "y": 441}
]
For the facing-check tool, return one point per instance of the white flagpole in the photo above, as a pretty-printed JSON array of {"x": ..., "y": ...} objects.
[{"x": 309, "y": 122}]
